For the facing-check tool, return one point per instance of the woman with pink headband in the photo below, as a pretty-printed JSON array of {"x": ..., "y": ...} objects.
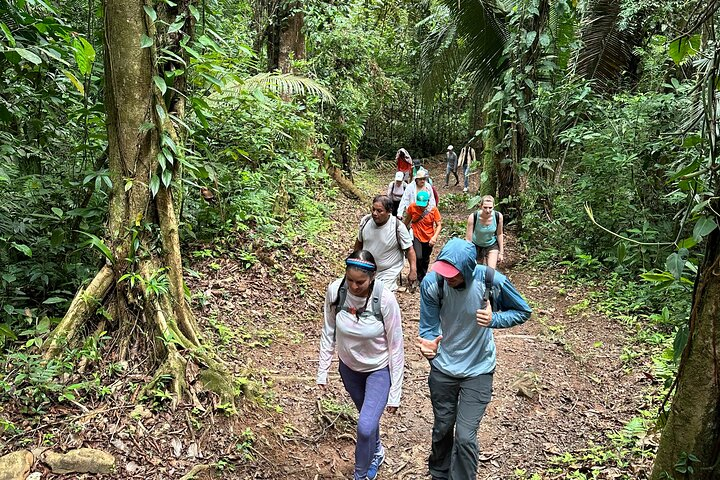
[{"x": 362, "y": 320}]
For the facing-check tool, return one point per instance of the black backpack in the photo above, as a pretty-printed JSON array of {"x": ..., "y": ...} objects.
[{"x": 488, "y": 296}]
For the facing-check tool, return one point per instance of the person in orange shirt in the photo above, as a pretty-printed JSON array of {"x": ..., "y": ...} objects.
[{"x": 426, "y": 223}]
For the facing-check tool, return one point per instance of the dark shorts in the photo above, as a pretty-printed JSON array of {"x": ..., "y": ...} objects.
[{"x": 481, "y": 253}]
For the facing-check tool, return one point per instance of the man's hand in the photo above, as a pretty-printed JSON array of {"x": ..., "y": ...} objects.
[
  {"x": 412, "y": 276},
  {"x": 428, "y": 347},
  {"x": 391, "y": 409},
  {"x": 501, "y": 257},
  {"x": 432, "y": 242},
  {"x": 484, "y": 316}
]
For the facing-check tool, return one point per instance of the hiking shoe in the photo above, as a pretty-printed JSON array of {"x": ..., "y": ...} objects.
[
  {"x": 465, "y": 190},
  {"x": 377, "y": 460}
]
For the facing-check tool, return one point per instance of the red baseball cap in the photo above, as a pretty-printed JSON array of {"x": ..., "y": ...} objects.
[{"x": 445, "y": 269}]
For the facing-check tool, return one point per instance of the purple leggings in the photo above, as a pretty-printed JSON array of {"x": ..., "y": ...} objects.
[{"x": 369, "y": 392}]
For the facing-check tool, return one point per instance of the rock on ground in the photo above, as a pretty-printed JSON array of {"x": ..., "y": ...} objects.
[
  {"x": 82, "y": 460},
  {"x": 16, "y": 465}
]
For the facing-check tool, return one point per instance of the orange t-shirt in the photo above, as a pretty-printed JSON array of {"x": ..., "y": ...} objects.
[{"x": 423, "y": 229}]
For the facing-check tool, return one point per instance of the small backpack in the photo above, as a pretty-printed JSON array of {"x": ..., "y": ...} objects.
[
  {"x": 488, "y": 296},
  {"x": 339, "y": 303}
]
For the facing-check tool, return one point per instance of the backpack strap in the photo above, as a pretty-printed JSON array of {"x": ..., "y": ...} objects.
[
  {"x": 441, "y": 289},
  {"x": 363, "y": 223},
  {"x": 341, "y": 296},
  {"x": 427, "y": 210},
  {"x": 377, "y": 301},
  {"x": 397, "y": 234},
  {"x": 489, "y": 278}
]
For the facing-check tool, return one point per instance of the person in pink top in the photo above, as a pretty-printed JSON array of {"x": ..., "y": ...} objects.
[{"x": 362, "y": 321}]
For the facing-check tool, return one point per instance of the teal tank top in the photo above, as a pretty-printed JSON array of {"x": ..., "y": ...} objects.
[{"x": 484, "y": 235}]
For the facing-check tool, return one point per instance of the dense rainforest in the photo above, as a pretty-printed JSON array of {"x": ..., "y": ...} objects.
[{"x": 181, "y": 180}]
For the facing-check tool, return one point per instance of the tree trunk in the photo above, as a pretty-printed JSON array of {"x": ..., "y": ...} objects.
[
  {"x": 488, "y": 180},
  {"x": 693, "y": 425},
  {"x": 292, "y": 39},
  {"x": 145, "y": 273}
]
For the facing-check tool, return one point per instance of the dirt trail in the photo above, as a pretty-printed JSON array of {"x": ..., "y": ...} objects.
[{"x": 559, "y": 384}]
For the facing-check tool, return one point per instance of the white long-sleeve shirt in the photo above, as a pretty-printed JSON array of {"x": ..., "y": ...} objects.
[
  {"x": 410, "y": 196},
  {"x": 364, "y": 344}
]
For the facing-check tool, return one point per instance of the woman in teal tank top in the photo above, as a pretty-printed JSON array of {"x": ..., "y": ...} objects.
[{"x": 485, "y": 231}]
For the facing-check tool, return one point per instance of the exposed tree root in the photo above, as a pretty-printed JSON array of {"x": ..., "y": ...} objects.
[
  {"x": 179, "y": 346},
  {"x": 346, "y": 186},
  {"x": 82, "y": 308}
]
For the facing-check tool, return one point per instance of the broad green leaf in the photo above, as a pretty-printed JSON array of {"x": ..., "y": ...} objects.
[
  {"x": 194, "y": 12},
  {"x": 621, "y": 251},
  {"x": 160, "y": 111},
  {"x": 150, "y": 12},
  {"x": 154, "y": 184},
  {"x": 657, "y": 277},
  {"x": 128, "y": 185},
  {"x": 29, "y": 56},
  {"x": 57, "y": 211},
  {"x": 683, "y": 47},
  {"x": 22, "y": 248},
  {"x": 530, "y": 38},
  {"x": 177, "y": 25},
  {"x": 53, "y": 300},
  {"x": 687, "y": 243},
  {"x": 8, "y": 34},
  {"x": 145, "y": 41},
  {"x": 167, "y": 177},
  {"x": 681, "y": 339},
  {"x": 73, "y": 79},
  {"x": 167, "y": 140},
  {"x": 703, "y": 227},
  {"x": 100, "y": 245},
  {"x": 7, "y": 332},
  {"x": 160, "y": 83},
  {"x": 675, "y": 264},
  {"x": 84, "y": 55}
]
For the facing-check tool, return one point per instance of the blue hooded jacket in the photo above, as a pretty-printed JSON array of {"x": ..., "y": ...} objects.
[{"x": 466, "y": 349}]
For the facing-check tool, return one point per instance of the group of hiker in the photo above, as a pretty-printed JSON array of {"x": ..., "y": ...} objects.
[{"x": 462, "y": 298}]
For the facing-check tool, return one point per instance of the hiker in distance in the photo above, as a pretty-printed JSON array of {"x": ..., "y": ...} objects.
[
  {"x": 485, "y": 231},
  {"x": 420, "y": 183},
  {"x": 464, "y": 301},
  {"x": 404, "y": 163},
  {"x": 426, "y": 222},
  {"x": 395, "y": 191},
  {"x": 466, "y": 158},
  {"x": 362, "y": 320},
  {"x": 452, "y": 165},
  {"x": 388, "y": 239}
]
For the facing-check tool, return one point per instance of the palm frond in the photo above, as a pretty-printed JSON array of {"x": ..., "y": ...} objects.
[
  {"x": 467, "y": 38},
  {"x": 607, "y": 54},
  {"x": 484, "y": 33},
  {"x": 287, "y": 84},
  {"x": 439, "y": 52}
]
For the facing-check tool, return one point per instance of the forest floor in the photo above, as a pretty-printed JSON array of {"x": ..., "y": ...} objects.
[{"x": 562, "y": 393}]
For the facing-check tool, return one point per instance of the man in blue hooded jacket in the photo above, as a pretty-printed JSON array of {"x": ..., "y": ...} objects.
[{"x": 456, "y": 336}]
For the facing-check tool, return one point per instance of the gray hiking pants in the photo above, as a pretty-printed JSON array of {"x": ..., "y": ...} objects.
[{"x": 458, "y": 406}]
